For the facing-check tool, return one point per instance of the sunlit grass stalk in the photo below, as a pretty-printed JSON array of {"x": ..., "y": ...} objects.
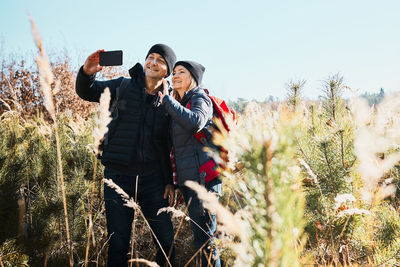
[
  {"x": 46, "y": 81},
  {"x": 179, "y": 228},
  {"x": 269, "y": 197},
  {"x": 197, "y": 252},
  {"x": 90, "y": 212},
  {"x": 342, "y": 148},
  {"x": 134, "y": 224},
  {"x": 60, "y": 167},
  {"x": 148, "y": 263},
  {"x": 102, "y": 119},
  {"x": 344, "y": 228},
  {"x": 179, "y": 213}
]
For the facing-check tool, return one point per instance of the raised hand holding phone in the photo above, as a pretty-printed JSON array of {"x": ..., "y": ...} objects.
[{"x": 91, "y": 65}]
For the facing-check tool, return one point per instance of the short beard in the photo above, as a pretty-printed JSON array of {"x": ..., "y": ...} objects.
[{"x": 153, "y": 76}]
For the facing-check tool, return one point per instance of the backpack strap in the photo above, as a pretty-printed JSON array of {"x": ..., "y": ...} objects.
[
  {"x": 200, "y": 136},
  {"x": 119, "y": 92}
]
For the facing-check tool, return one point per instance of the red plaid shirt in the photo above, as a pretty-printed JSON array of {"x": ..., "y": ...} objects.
[{"x": 172, "y": 158}]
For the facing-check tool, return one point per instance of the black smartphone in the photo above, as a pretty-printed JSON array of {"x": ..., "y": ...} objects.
[{"x": 110, "y": 58}]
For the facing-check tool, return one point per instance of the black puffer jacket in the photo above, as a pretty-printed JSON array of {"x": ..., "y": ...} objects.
[
  {"x": 189, "y": 154},
  {"x": 138, "y": 135}
]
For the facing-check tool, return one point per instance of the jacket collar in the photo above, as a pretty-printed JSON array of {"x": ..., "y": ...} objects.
[
  {"x": 137, "y": 73},
  {"x": 188, "y": 95}
]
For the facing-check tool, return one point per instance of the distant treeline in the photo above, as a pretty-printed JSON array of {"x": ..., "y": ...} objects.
[
  {"x": 374, "y": 99},
  {"x": 239, "y": 104},
  {"x": 19, "y": 88}
]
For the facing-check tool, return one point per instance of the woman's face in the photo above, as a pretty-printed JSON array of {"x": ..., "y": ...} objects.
[{"x": 181, "y": 78}]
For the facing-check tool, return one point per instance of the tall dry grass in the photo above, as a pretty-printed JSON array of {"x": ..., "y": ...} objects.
[
  {"x": 47, "y": 85},
  {"x": 308, "y": 183},
  {"x": 102, "y": 119}
]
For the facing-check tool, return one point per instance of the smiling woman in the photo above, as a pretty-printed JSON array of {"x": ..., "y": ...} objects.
[
  {"x": 191, "y": 111},
  {"x": 182, "y": 81}
]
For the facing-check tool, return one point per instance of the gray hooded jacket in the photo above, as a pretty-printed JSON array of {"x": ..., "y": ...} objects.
[{"x": 189, "y": 154}]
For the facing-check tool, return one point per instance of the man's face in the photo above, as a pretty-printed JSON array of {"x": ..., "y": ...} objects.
[{"x": 155, "y": 66}]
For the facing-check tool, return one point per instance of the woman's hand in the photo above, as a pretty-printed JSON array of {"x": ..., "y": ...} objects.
[
  {"x": 92, "y": 63},
  {"x": 164, "y": 92}
]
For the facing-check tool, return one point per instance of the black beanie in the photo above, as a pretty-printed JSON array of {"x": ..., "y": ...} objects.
[
  {"x": 166, "y": 52},
  {"x": 196, "y": 69}
]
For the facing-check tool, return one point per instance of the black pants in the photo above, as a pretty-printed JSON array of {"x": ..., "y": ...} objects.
[{"x": 119, "y": 217}]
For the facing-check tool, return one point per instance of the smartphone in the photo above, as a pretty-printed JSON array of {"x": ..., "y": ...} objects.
[{"x": 110, "y": 58}]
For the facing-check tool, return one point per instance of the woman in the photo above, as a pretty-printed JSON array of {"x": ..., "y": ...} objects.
[{"x": 191, "y": 111}]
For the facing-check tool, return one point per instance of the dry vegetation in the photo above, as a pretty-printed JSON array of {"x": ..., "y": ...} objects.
[{"x": 308, "y": 183}]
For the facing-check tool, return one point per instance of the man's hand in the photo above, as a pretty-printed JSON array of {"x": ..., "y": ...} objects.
[
  {"x": 179, "y": 198},
  {"x": 164, "y": 91},
  {"x": 169, "y": 191},
  {"x": 92, "y": 63}
]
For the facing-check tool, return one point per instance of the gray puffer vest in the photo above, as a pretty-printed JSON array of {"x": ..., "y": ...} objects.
[{"x": 189, "y": 153}]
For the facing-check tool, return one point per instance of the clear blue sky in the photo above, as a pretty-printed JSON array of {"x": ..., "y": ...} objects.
[{"x": 250, "y": 48}]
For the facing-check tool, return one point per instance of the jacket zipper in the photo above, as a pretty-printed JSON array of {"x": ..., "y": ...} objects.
[{"x": 143, "y": 110}]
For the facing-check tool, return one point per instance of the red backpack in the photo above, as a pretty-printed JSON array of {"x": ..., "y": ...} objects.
[
  {"x": 221, "y": 111},
  {"x": 209, "y": 170}
]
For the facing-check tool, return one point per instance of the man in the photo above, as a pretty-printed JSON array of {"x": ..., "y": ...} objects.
[{"x": 136, "y": 145}]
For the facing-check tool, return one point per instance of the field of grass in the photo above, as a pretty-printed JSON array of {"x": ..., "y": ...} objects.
[{"x": 309, "y": 183}]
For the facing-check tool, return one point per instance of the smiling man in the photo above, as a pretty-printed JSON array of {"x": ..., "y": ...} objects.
[{"x": 135, "y": 147}]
